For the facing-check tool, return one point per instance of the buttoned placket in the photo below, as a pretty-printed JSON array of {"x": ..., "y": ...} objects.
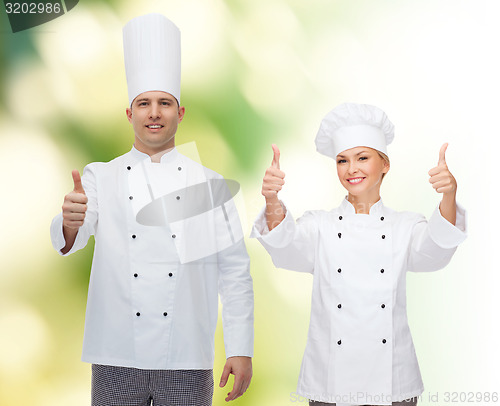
[
  {"x": 384, "y": 236},
  {"x": 382, "y": 273},
  {"x": 159, "y": 318}
]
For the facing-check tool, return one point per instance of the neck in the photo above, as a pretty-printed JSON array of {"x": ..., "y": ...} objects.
[{"x": 363, "y": 204}]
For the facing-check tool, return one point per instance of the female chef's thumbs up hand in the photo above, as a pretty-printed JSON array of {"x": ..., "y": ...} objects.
[
  {"x": 274, "y": 179},
  {"x": 75, "y": 204},
  {"x": 440, "y": 177}
]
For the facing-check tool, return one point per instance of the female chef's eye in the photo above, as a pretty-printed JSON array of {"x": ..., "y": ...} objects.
[{"x": 341, "y": 161}]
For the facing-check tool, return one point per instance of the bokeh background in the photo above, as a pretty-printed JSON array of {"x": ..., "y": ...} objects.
[{"x": 255, "y": 73}]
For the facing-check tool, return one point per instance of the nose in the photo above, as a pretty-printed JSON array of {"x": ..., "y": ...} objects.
[
  {"x": 154, "y": 112},
  {"x": 353, "y": 168}
]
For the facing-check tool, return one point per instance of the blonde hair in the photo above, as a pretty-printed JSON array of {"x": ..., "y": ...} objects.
[{"x": 386, "y": 159}]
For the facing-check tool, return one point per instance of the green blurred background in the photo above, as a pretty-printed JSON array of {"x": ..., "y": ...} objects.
[{"x": 255, "y": 73}]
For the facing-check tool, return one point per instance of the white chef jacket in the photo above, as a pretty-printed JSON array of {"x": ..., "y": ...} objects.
[
  {"x": 152, "y": 302},
  {"x": 359, "y": 348}
]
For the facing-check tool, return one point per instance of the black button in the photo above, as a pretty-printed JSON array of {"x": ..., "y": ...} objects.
[
  {"x": 382, "y": 306},
  {"x": 179, "y": 168},
  {"x": 340, "y": 235},
  {"x": 136, "y": 275},
  {"x": 383, "y": 236},
  {"x": 384, "y": 341},
  {"x": 339, "y": 342},
  {"x": 134, "y": 236},
  {"x": 131, "y": 197},
  {"x": 173, "y": 236},
  {"x": 165, "y": 313},
  {"x": 138, "y": 314},
  {"x": 178, "y": 198},
  {"x": 170, "y": 274},
  {"x": 382, "y": 271},
  {"x": 339, "y": 305},
  {"x": 129, "y": 168},
  {"x": 382, "y": 218},
  {"x": 339, "y": 270},
  {"x": 340, "y": 217}
]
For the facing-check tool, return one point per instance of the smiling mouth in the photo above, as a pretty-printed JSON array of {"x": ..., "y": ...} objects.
[
  {"x": 154, "y": 126},
  {"x": 354, "y": 181}
]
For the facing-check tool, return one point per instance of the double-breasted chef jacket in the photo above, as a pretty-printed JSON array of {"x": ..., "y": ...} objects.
[
  {"x": 153, "y": 298},
  {"x": 359, "y": 348}
]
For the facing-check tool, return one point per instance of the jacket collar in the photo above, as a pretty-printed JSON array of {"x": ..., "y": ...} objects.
[
  {"x": 347, "y": 208},
  {"x": 138, "y": 156}
]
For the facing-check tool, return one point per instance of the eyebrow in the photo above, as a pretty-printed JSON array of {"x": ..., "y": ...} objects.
[
  {"x": 359, "y": 153},
  {"x": 161, "y": 99}
]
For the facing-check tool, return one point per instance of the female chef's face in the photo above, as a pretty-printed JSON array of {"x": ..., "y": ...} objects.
[
  {"x": 155, "y": 116},
  {"x": 360, "y": 171}
]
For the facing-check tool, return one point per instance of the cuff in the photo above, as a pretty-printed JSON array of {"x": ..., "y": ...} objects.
[
  {"x": 280, "y": 236},
  {"x": 445, "y": 234},
  {"x": 241, "y": 340},
  {"x": 57, "y": 236}
]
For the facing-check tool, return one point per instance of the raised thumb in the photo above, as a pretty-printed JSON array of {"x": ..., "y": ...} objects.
[
  {"x": 77, "y": 180},
  {"x": 442, "y": 152},
  {"x": 276, "y": 156}
]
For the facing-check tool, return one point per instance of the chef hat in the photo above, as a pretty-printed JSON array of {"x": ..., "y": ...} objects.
[
  {"x": 354, "y": 125},
  {"x": 152, "y": 50}
]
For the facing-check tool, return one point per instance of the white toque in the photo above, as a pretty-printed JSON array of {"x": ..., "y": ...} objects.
[
  {"x": 152, "y": 51},
  {"x": 354, "y": 125}
]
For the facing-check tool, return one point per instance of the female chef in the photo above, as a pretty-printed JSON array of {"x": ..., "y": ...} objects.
[{"x": 359, "y": 349}]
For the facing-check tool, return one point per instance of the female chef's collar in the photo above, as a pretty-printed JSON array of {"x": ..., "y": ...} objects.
[
  {"x": 354, "y": 125},
  {"x": 347, "y": 208}
]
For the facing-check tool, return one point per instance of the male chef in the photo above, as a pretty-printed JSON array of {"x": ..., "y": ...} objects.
[{"x": 168, "y": 242}]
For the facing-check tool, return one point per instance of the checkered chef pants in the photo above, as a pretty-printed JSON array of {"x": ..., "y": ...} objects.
[{"x": 120, "y": 386}]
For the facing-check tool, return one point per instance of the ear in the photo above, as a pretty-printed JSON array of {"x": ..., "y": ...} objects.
[
  {"x": 182, "y": 111},
  {"x": 387, "y": 166},
  {"x": 128, "y": 111}
]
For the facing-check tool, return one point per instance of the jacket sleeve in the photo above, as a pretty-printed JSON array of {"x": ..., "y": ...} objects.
[
  {"x": 433, "y": 243},
  {"x": 89, "y": 225},
  {"x": 235, "y": 287},
  {"x": 292, "y": 245}
]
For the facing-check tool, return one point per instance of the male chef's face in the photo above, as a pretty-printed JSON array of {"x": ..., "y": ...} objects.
[
  {"x": 155, "y": 116},
  {"x": 361, "y": 170}
]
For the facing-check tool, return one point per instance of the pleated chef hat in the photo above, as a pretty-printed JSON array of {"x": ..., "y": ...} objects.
[
  {"x": 152, "y": 50},
  {"x": 354, "y": 125}
]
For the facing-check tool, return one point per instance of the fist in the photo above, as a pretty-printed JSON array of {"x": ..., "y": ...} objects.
[
  {"x": 441, "y": 178},
  {"x": 274, "y": 179},
  {"x": 75, "y": 204}
]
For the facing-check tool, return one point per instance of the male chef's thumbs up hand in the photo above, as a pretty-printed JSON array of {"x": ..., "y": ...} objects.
[
  {"x": 440, "y": 177},
  {"x": 274, "y": 179},
  {"x": 75, "y": 204}
]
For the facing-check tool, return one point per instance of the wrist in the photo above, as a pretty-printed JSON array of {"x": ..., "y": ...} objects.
[
  {"x": 272, "y": 199},
  {"x": 450, "y": 197}
]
